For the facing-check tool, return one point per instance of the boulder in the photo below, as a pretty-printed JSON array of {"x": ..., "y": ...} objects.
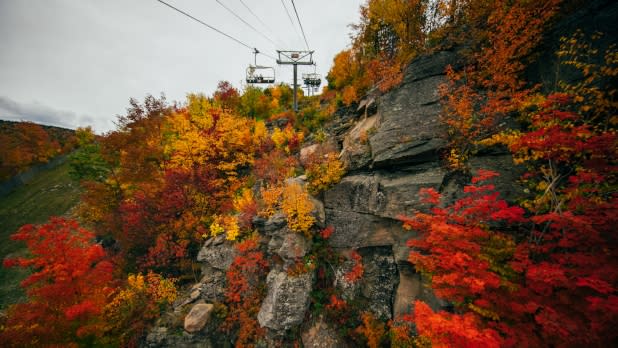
[
  {"x": 198, "y": 317},
  {"x": 307, "y": 152},
  {"x": 217, "y": 253},
  {"x": 287, "y": 300}
]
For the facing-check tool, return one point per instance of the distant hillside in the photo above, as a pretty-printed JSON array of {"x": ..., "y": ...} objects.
[
  {"x": 24, "y": 144},
  {"x": 50, "y": 192}
]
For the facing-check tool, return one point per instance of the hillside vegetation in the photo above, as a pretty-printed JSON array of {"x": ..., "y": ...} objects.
[{"x": 50, "y": 192}]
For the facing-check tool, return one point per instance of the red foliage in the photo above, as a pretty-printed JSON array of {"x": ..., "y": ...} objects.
[
  {"x": 543, "y": 290},
  {"x": 357, "y": 270},
  {"x": 275, "y": 166},
  {"x": 244, "y": 293},
  {"x": 67, "y": 290},
  {"x": 327, "y": 232}
]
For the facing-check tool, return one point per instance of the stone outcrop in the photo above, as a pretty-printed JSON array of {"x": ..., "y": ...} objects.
[
  {"x": 287, "y": 300},
  {"x": 391, "y": 147}
]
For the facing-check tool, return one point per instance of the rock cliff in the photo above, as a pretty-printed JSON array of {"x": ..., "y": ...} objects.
[{"x": 391, "y": 147}]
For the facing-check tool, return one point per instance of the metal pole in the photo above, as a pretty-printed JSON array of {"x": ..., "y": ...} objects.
[{"x": 295, "y": 84}]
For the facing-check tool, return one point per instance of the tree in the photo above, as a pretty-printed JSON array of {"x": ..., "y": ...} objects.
[{"x": 67, "y": 290}]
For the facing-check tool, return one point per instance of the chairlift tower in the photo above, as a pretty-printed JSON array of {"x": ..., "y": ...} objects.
[{"x": 295, "y": 58}]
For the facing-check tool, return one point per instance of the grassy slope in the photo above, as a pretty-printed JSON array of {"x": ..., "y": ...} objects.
[{"x": 51, "y": 192}]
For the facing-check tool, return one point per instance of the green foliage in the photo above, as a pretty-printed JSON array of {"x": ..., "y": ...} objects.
[
  {"x": 86, "y": 162},
  {"x": 49, "y": 193}
]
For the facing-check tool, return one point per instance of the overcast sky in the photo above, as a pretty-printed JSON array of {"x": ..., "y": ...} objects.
[{"x": 75, "y": 63}]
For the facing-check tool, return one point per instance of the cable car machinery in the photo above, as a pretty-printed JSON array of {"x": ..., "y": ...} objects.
[{"x": 295, "y": 58}]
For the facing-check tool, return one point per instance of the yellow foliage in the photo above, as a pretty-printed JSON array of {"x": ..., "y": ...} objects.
[
  {"x": 278, "y": 137},
  {"x": 243, "y": 200},
  {"x": 205, "y": 133},
  {"x": 271, "y": 197},
  {"x": 227, "y": 224},
  {"x": 216, "y": 229},
  {"x": 142, "y": 296},
  {"x": 486, "y": 313},
  {"x": 284, "y": 138},
  {"x": 297, "y": 207},
  {"x": 324, "y": 173}
]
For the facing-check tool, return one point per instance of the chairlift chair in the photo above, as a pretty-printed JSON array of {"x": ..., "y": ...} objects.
[
  {"x": 312, "y": 79},
  {"x": 259, "y": 73}
]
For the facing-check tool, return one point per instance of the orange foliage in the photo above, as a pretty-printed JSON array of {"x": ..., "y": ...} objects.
[
  {"x": 23, "y": 145},
  {"x": 373, "y": 330},
  {"x": 477, "y": 98}
]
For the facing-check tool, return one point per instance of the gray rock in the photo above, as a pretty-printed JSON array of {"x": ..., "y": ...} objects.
[
  {"x": 380, "y": 279},
  {"x": 272, "y": 225},
  {"x": 363, "y": 208},
  {"x": 507, "y": 183},
  {"x": 409, "y": 129},
  {"x": 354, "y": 230},
  {"x": 218, "y": 255},
  {"x": 287, "y": 300},
  {"x": 383, "y": 194},
  {"x": 198, "y": 317},
  {"x": 431, "y": 65},
  {"x": 294, "y": 246},
  {"x": 356, "y": 152},
  {"x": 318, "y": 211},
  {"x": 408, "y": 290},
  {"x": 212, "y": 286},
  {"x": 376, "y": 289}
]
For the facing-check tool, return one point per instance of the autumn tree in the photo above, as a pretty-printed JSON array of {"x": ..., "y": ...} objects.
[
  {"x": 227, "y": 96},
  {"x": 23, "y": 145},
  {"x": 67, "y": 290},
  {"x": 86, "y": 162}
]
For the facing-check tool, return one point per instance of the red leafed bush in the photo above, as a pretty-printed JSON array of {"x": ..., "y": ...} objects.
[{"x": 67, "y": 290}]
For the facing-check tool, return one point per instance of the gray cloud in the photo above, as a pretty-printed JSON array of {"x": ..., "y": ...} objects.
[
  {"x": 39, "y": 113},
  {"x": 90, "y": 57}
]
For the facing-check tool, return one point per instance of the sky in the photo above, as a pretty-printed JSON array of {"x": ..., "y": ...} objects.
[{"x": 76, "y": 63}]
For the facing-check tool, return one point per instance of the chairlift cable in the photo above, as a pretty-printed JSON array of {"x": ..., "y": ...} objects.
[
  {"x": 213, "y": 28},
  {"x": 246, "y": 23},
  {"x": 301, "y": 25},
  {"x": 290, "y": 18},
  {"x": 262, "y": 23}
]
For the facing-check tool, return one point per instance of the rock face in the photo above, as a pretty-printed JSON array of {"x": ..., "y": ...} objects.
[
  {"x": 391, "y": 145},
  {"x": 287, "y": 300},
  {"x": 376, "y": 289},
  {"x": 198, "y": 317}
]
